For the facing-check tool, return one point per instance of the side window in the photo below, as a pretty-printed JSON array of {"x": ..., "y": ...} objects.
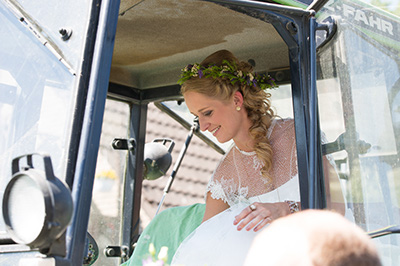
[
  {"x": 281, "y": 100},
  {"x": 358, "y": 106},
  {"x": 36, "y": 100},
  {"x": 105, "y": 214}
]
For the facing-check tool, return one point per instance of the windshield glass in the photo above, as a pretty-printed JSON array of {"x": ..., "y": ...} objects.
[
  {"x": 359, "y": 99},
  {"x": 49, "y": 21},
  {"x": 37, "y": 88}
]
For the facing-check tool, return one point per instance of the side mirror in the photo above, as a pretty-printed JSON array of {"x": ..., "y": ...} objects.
[{"x": 157, "y": 158}]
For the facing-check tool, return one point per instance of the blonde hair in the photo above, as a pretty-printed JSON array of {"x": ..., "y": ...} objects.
[
  {"x": 317, "y": 238},
  {"x": 255, "y": 101}
]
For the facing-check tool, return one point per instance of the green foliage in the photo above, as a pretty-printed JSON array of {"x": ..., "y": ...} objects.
[{"x": 387, "y": 6}]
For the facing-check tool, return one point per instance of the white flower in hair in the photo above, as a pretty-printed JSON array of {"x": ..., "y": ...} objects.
[{"x": 195, "y": 68}]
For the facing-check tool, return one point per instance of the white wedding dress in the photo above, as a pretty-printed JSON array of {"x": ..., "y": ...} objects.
[
  {"x": 238, "y": 181},
  {"x": 217, "y": 241}
]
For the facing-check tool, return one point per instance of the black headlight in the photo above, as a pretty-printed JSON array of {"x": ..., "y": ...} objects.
[{"x": 37, "y": 206}]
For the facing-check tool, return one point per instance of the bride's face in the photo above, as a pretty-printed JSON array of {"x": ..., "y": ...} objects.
[{"x": 218, "y": 117}]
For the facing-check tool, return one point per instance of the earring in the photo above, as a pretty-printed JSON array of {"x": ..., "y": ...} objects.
[{"x": 238, "y": 108}]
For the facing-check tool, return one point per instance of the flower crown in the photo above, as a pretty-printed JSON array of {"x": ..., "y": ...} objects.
[{"x": 227, "y": 71}]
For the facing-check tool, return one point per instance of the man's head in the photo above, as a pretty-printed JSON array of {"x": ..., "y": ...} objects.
[{"x": 313, "y": 238}]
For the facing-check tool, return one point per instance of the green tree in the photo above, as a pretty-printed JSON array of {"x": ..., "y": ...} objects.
[{"x": 387, "y": 5}]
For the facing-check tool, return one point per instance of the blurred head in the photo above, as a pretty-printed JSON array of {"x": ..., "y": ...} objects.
[{"x": 313, "y": 238}]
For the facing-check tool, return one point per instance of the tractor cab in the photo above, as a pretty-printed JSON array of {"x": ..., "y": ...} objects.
[{"x": 97, "y": 139}]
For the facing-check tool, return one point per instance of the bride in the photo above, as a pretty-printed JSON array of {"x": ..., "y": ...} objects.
[
  {"x": 256, "y": 181},
  {"x": 225, "y": 238}
]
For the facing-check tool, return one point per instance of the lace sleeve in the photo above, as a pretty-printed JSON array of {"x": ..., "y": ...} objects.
[
  {"x": 216, "y": 190},
  {"x": 219, "y": 186}
]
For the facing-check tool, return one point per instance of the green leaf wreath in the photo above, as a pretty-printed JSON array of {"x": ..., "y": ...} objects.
[{"x": 227, "y": 71}]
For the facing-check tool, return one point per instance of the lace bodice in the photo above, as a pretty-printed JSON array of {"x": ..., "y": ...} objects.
[{"x": 238, "y": 176}]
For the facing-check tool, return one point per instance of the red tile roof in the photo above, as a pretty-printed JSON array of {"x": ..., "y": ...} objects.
[
  {"x": 195, "y": 170},
  {"x": 191, "y": 179}
]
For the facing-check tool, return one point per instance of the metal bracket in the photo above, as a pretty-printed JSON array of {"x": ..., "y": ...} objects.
[
  {"x": 92, "y": 250},
  {"x": 325, "y": 31},
  {"x": 116, "y": 251},
  {"x": 124, "y": 144},
  {"x": 393, "y": 229},
  {"x": 291, "y": 27},
  {"x": 344, "y": 142}
]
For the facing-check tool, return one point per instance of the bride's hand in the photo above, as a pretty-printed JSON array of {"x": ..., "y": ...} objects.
[{"x": 257, "y": 215}]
